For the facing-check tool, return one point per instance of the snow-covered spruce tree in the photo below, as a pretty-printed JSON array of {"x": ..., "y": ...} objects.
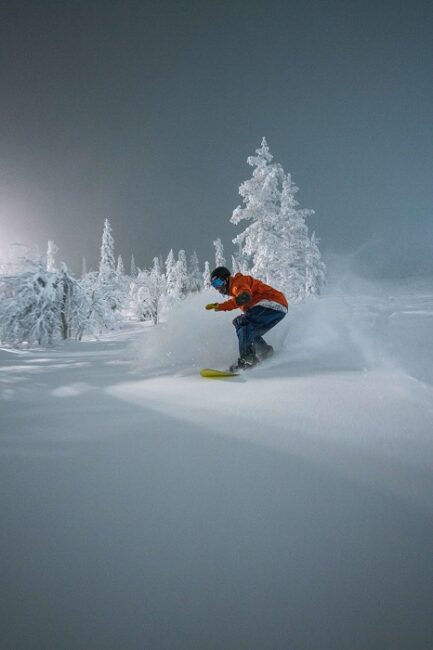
[
  {"x": 315, "y": 268},
  {"x": 133, "y": 267},
  {"x": 107, "y": 264},
  {"x": 153, "y": 296},
  {"x": 120, "y": 269},
  {"x": 239, "y": 263},
  {"x": 123, "y": 285},
  {"x": 195, "y": 278},
  {"x": 170, "y": 273},
  {"x": 276, "y": 242},
  {"x": 206, "y": 276},
  {"x": 149, "y": 298},
  {"x": 293, "y": 241},
  {"x": 103, "y": 305},
  {"x": 108, "y": 279},
  {"x": 51, "y": 256},
  {"x": 261, "y": 196},
  {"x": 220, "y": 260},
  {"x": 137, "y": 295},
  {"x": 182, "y": 287},
  {"x": 305, "y": 271},
  {"x": 105, "y": 293}
]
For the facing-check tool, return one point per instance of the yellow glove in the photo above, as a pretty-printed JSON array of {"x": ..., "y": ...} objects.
[{"x": 212, "y": 305}]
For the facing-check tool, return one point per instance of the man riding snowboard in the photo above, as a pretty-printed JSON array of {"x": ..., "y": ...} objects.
[{"x": 263, "y": 308}]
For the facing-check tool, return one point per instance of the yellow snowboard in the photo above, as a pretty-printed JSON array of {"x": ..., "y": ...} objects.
[{"x": 211, "y": 373}]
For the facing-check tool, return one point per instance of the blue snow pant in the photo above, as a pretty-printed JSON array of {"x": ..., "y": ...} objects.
[{"x": 251, "y": 326}]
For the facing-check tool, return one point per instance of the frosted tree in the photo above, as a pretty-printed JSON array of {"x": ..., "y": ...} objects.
[
  {"x": 170, "y": 273},
  {"x": 104, "y": 301},
  {"x": 137, "y": 295},
  {"x": 182, "y": 287},
  {"x": 206, "y": 276},
  {"x": 107, "y": 262},
  {"x": 219, "y": 253},
  {"x": 40, "y": 306},
  {"x": 51, "y": 256},
  {"x": 122, "y": 282},
  {"x": 107, "y": 265},
  {"x": 239, "y": 263},
  {"x": 304, "y": 271},
  {"x": 74, "y": 306},
  {"x": 158, "y": 290},
  {"x": 30, "y": 308},
  {"x": 195, "y": 279},
  {"x": 105, "y": 291},
  {"x": 152, "y": 294},
  {"x": 120, "y": 269},
  {"x": 261, "y": 197},
  {"x": 315, "y": 268},
  {"x": 133, "y": 267},
  {"x": 276, "y": 242},
  {"x": 288, "y": 264}
]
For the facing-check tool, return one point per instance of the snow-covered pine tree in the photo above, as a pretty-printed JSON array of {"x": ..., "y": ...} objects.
[
  {"x": 220, "y": 260},
  {"x": 170, "y": 273},
  {"x": 120, "y": 269},
  {"x": 315, "y": 268},
  {"x": 123, "y": 285},
  {"x": 276, "y": 242},
  {"x": 293, "y": 241},
  {"x": 261, "y": 197},
  {"x": 109, "y": 286},
  {"x": 195, "y": 279},
  {"x": 104, "y": 301},
  {"x": 239, "y": 264},
  {"x": 107, "y": 263},
  {"x": 105, "y": 292},
  {"x": 137, "y": 294},
  {"x": 51, "y": 256},
  {"x": 206, "y": 276},
  {"x": 181, "y": 276},
  {"x": 133, "y": 267},
  {"x": 154, "y": 294}
]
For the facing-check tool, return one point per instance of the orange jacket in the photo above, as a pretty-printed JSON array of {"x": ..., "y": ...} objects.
[{"x": 261, "y": 294}]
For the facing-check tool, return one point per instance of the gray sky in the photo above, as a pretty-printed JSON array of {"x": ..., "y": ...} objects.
[{"x": 145, "y": 113}]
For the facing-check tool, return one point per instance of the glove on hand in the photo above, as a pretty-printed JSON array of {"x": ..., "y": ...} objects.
[{"x": 212, "y": 305}]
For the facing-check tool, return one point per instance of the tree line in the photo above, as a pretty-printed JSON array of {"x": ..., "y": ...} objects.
[{"x": 42, "y": 302}]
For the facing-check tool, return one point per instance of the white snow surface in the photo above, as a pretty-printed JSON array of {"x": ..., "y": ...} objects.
[{"x": 289, "y": 507}]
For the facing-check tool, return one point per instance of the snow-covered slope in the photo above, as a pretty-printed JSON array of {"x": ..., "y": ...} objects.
[{"x": 146, "y": 507}]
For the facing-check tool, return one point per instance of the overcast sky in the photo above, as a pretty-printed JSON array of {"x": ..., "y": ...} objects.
[{"x": 145, "y": 113}]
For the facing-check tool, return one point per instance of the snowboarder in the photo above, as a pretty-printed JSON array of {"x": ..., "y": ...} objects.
[{"x": 263, "y": 307}]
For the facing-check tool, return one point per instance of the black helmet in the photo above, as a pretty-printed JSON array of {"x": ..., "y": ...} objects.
[
  {"x": 219, "y": 279},
  {"x": 220, "y": 272}
]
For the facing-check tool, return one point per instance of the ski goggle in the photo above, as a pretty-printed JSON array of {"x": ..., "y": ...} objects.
[{"x": 217, "y": 283}]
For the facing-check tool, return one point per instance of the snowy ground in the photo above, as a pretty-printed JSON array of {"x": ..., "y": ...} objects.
[{"x": 144, "y": 507}]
